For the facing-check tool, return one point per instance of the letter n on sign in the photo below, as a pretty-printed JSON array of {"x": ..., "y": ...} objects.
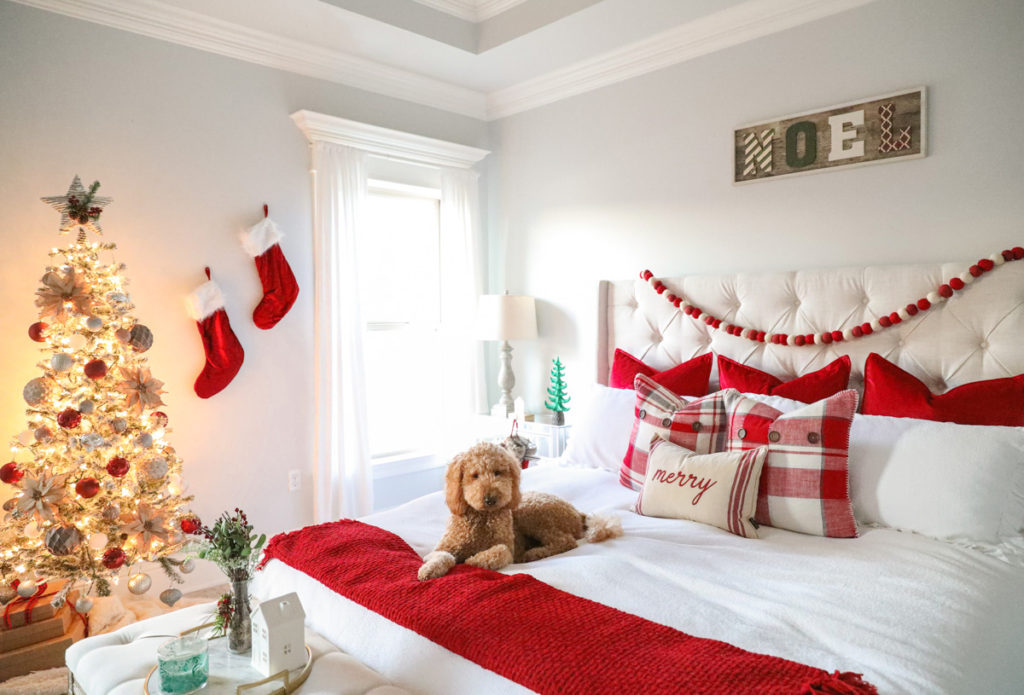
[{"x": 870, "y": 131}]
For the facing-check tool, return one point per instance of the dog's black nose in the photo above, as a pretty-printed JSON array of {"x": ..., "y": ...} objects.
[{"x": 490, "y": 500}]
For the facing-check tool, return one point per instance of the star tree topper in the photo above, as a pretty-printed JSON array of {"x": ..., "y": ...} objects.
[{"x": 79, "y": 208}]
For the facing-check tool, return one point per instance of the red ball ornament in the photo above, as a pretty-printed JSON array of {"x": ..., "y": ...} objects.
[
  {"x": 884, "y": 321},
  {"x": 158, "y": 418},
  {"x": 867, "y": 329},
  {"x": 837, "y": 336},
  {"x": 37, "y": 331},
  {"x": 894, "y": 318},
  {"x": 96, "y": 369},
  {"x": 69, "y": 418},
  {"x": 113, "y": 558},
  {"x": 117, "y": 466},
  {"x": 10, "y": 474},
  {"x": 975, "y": 270},
  {"x": 923, "y": 304},
  {"x": 945, "y": 291},
  {"x": 696, "y": 313},
  {"x": 826, "y": 338},
  {"x": 956, "y": 283},
  {"x": 87, "y": 487},
  {"x": 191, "y": 525},
  {"x": 1007, "y": 255},
  {"x": 761, "y": 336},
  {"x": 857, "y": 331},
  {"x": 799, "y": 340},
  {"x": 986, "y": 264},
  {"x": 1018, "y": 252},
  {"x": 912, "y": 309}
]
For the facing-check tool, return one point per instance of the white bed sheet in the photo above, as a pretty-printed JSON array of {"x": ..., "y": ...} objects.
[{"x": 914, "y": 615}]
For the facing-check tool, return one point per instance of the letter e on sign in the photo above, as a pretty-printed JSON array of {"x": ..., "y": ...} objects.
[{"x": 841, "y": 133}]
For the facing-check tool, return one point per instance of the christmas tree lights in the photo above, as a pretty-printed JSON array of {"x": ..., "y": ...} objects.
[{"x": 98, "y": 485}]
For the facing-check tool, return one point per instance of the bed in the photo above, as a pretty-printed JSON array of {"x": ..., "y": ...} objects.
[{"x": 914, "y": 614}]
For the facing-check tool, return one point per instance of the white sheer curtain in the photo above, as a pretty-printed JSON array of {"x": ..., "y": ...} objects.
[
  {"x": 462, "y": 395},
  {"x": 343, "y": 475}
]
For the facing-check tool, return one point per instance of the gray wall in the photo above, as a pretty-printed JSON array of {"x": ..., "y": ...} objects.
[
  {"x": 637, "y": 174},
  {"x": 190, "y": 145}
]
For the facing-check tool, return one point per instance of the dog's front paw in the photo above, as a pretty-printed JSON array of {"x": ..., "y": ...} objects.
[
  {"x": 435, "y": 564},
  {"x": 494, "y": 558}
]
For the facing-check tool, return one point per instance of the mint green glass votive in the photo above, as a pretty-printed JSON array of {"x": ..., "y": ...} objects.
[{"x": 183, "y": 664}]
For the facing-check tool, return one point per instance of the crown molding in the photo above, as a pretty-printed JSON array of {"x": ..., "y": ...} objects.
[
  {"x": 471, "y": 10},
  {"x": 384, "y": 142},
  {"x": 729, "y": 27},
  {"x": 159, "y": 21}
]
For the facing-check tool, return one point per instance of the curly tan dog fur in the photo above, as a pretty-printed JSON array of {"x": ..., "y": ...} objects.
[{"x": 492, "y": 524}]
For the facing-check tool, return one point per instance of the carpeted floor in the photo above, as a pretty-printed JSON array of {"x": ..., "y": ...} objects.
[{"x": 107, "y": 615}]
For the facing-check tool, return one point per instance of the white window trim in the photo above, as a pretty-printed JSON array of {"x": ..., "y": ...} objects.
[{"x": 381, "y": 142}]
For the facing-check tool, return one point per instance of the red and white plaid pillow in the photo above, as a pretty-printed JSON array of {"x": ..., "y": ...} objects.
[
  {"x": 699, "y": 425},
  {"x": 805, "y": 484}
]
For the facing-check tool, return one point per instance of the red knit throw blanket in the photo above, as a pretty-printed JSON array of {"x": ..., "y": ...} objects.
[{"x": 543, "y": 638}]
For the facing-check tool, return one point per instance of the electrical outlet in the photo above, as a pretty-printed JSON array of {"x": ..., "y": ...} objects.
[{"x": 294, "y": 480}]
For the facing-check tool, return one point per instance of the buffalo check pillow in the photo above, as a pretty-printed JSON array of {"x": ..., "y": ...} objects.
[
  {"x": 699, "y": 425},
  {"x": 805, "y": 484},
  {"x": 717, "y": 489}
]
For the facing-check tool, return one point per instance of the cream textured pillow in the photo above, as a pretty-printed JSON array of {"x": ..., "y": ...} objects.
[{"x": 716, "y": 489}]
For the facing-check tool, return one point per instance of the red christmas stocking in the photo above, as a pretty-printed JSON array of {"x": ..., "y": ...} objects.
[
  {"x": 224, "y": 354},
  {"x": 279, "y": 286}
]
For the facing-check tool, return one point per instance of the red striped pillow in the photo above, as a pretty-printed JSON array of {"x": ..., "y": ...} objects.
[
  {"x": 813, "y": 386},
  {"x": 889, "y": 390},
  {"x": 699, "y": 425},
  {"x": 688, "y": 379},
  {"x": 718, "y": 489},
  {"x": 805, "y": 484}
]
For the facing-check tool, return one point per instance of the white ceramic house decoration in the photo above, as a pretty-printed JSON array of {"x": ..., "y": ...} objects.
[{"x": 278, "y": 635}]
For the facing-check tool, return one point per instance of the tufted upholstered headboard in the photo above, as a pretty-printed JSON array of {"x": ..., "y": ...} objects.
[{"x": 977, "y": 334}]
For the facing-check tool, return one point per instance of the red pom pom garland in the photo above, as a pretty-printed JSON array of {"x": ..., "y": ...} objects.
[{"x": 940, "y": 294}]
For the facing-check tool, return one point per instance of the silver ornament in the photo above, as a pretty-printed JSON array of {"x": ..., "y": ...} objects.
[
  {"x": 154, "y": 468},
  {"x": 94, "y": 323},
  {"x": 63, "y": 540},
  {"x": 141, "y": 338},
  {"x": 139, "y": 584},
  {"x": 36, "y": 391},
  {"x": 7, "y": 594},
  {"x": 86, "y": 407},
  {"x": 117, "y": 298},
  {"x": 119, "y": 425},
  {"x": 111, "y": 512},
  {"x": 83, "y": 605},
  {"x": 170, "y": 596},
  {"x": 92, "y": 441},
  {"x": 123, "y": 334},
  {"x": 61, "y": 362},
  {"x": 43, "y": 435},
  {"x": 188, "y": 566},
  {"x": 144, "y": 440},
  {"x": 10, "y": 504},
  {"x": 26, "y": 588}
]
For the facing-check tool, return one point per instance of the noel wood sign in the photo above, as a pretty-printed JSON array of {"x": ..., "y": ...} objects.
[{"x": 872, "y": 131}]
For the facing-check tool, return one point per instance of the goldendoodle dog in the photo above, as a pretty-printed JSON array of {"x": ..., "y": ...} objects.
[{"x": 493, "y": 524}]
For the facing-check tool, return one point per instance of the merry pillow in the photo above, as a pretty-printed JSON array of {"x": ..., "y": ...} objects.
[
  {"x": 717, "y": 489},
  {"x": 805, "y": 484},
  {"x": 889, "y": 390},
  {"x": 688, "y": 379},
  {"x": 813, "y": 386}
]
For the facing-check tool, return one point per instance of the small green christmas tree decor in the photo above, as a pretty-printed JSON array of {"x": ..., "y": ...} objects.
[{"x": 558, "y": 392}]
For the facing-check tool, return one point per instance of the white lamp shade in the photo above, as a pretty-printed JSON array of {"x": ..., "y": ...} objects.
[{"x": 506, "y": 317}]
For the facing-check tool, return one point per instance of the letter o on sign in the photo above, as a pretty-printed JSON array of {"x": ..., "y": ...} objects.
[{"x": 793, "y": 133}]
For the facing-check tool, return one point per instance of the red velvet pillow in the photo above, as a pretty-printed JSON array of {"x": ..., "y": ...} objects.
[
  {"x": 889, "y": 390},
  {"x": 687, "y": 379},
  {"x": 809, "y": 388}
]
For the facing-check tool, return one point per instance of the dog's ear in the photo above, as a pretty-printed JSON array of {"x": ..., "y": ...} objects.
[
  {"x": 453, "y": 487},
  {"x": 515, "y": 469}
]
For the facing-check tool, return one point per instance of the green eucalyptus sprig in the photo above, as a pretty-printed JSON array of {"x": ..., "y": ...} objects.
[{"x": 231, "y": 544}]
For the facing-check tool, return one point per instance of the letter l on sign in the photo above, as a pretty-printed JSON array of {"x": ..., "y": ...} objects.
[{"x": 837, "y": 124}]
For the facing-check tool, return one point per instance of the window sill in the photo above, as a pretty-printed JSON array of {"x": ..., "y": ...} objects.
[{"x": 403, "y": 464}]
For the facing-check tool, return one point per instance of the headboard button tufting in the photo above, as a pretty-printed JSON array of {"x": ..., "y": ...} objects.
[
  {"x": 696, "y": 426},
  {"x": 774, "y": 436}
]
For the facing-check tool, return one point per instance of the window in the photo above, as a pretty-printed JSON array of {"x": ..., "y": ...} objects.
[{"x": 400, "y": 296}]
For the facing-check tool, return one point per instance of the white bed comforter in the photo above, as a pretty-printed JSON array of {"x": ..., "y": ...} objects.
[{"x": 914, "y": 615}]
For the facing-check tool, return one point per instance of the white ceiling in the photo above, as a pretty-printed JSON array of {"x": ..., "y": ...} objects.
[{"x": 483, "y": 58}]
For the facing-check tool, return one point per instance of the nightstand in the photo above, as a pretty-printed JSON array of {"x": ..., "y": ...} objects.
[{"x": 549, "y": 437}]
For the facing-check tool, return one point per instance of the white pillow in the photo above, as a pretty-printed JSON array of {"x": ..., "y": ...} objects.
[
  {"x": 601, "y": 437},
  {"x": 718, "y": 489},
  {"x": 949, "y": 481}
]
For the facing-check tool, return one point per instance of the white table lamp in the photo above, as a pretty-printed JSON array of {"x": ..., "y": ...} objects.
[{"x": 506, "y": 317}]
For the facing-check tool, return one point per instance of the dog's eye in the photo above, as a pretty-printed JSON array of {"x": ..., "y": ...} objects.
[
  {"x": 497, "y": 474},
  {"x": 475, "y": 476}
]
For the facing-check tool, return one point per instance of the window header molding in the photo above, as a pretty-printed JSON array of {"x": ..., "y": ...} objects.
[{"x": 385, "y": 142}]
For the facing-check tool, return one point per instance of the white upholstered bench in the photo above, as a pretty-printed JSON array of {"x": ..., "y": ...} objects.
[{"x": 117, "y": 663}]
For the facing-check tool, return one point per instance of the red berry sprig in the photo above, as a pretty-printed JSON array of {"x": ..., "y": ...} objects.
[{"x": 940, "y": 294}]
